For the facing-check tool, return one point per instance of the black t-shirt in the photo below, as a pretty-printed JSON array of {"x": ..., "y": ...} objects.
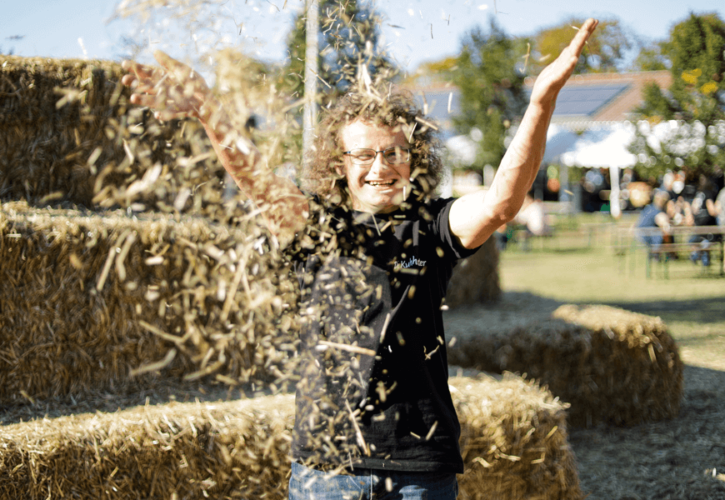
[{"x": 373, "y": 389}]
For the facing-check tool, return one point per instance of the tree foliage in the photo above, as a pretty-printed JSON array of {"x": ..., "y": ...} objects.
[
  {"x": 490, "y": 78},
  {"x": 651, "y": 57},
  {"x": 695, "y": 102},
  {"x": 349, "y": 35},
  {"x": 604, "y": 52}
]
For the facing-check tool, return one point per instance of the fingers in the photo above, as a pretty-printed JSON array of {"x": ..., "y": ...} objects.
[
  {"x": 577, "y": 44},
  {"x": 140, "y": 70},
  {"x": 179, "y": 70}
]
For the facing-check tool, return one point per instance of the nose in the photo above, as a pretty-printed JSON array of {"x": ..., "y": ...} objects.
[{"x": 379, "y": 162}]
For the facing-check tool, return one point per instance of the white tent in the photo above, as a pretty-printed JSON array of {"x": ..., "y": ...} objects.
[
  {"x": 558, "y": 140},
  {"x": 602, "y": 146}
]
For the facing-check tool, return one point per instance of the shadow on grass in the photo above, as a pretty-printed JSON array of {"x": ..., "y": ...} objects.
[
  {"x": 551, "y": 250},
  {"x": 702, "y": 311}
]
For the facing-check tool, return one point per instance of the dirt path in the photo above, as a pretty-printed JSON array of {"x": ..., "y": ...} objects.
[{"x": 680, "y": 459}]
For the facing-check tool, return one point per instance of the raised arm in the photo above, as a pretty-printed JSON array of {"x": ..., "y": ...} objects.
[
  {"x": 475, "y": 217},
  {"x": 174, "y": 90}
]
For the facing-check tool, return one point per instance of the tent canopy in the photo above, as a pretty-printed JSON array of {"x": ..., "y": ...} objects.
[{"x": 603, "y": 146}]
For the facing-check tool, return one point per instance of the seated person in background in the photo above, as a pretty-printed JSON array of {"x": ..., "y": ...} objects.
[
  {"x": 720, "y": 208},
  {"x": 653, "y": 216},
  {"x": 702, "y": 212}
]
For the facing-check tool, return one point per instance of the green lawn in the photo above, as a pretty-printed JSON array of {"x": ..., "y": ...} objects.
[{"x": 578, "y": 267}]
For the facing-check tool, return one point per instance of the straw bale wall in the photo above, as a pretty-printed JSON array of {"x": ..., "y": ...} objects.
[
  {"x": 611, "y": 365},
  {"x": 69, "y": 135},
  {"x": 475, "y": 279},
  {"x": 513, "y": 439},
  {"x": 87, "y": 301}
]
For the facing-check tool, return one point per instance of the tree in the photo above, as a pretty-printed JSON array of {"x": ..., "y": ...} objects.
[
  {"x": 651, "y": 57},
  {"x": 696, "y": 100},
  {"x": 605, "y": 49},
  {"x": 491, "y": 83},
  {"x": 349, "y": 36}
]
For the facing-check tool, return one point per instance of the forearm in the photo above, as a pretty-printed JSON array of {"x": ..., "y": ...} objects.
[
  {"x": 283, "y": 205},
  {"x": 521, "y": 163},
  {"x": 237, "y": 154}
]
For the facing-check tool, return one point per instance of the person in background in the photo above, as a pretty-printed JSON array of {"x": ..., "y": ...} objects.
[
  {"x": 653, "y": 223},
  {"x": 720, "y": 210},
  {"x": 701, "y": 212}
]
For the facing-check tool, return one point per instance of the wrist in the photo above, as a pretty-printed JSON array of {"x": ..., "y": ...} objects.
[{"x": 543, "y": 107}]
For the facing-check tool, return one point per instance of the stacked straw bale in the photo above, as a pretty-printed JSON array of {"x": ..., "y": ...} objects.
[
  {"x": 513, "y": 439},
  {"x": 87, "y": 301},
  {"x": 68, "y": 134},
  {"x": 191, "y": 451},
  {"x": 475, "y": 279},
  {"x": 613, "y": 366}
]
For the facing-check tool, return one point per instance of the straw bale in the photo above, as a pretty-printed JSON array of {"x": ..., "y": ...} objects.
[
  {"x": 69, "y": 135},
  {"x": 612, "y": 365},
  {"x": 475, "y": 280},
  {"x": 513, "y": 440},
  {"x": 237, "y": 449},
  {"x": 86, "y": 300}
]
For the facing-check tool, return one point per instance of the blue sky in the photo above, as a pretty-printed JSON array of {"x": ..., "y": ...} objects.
[{"x": 423, "y": 29}]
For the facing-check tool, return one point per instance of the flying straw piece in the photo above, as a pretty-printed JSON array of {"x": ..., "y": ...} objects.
[
  {"x": 526, "y": 57},
  {"x": 349, "y": 348},
  {"x": 426, "y": 123},
  {"x": 155, "y": 367},
  {"x": 450, "y": 100}
]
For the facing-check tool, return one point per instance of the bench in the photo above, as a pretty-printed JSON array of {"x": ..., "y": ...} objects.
[{"x": 628, "y": 241}]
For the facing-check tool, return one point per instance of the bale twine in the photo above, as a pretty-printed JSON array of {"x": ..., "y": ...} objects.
[
  {"x": 69, "y": 135},
  {"x": 91, "y": 303},
  {"x": 475, "y": 279},
  {"x": 612, "y": 365},
  {"x": 513, "y": 441}
]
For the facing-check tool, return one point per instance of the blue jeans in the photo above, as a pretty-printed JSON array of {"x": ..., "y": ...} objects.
[{"x": 371, "y": 484}]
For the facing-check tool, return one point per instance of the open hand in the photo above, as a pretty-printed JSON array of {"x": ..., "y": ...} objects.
[
  {"x": 551, "y": 80},
  {"x": 173, "y": 91}
]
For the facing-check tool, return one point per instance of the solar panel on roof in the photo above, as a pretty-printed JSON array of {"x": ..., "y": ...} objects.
[{"x": 576, "y": 100}]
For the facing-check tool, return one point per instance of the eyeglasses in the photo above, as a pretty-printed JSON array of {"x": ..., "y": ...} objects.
[{"x": 366, "y": 156}]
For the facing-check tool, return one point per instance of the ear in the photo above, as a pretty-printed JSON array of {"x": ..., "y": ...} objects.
[{"x": 340, "y": 169}]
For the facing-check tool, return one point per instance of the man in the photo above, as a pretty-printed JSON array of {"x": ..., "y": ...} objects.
[
  {"x": 374, "y": 252},
  {"x": 701, "y": 212},
  {"x": 653, "y": 223}
]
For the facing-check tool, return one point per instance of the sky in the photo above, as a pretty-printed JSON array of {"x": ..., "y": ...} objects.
[{"x": 414, "y": 30}]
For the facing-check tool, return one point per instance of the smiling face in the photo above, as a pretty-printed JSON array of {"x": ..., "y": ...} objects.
[{"x": 378, "y": 187}]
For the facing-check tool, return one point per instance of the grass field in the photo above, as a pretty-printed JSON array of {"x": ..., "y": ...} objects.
[
  {"x": 574, "y": 267},
  {"x": 679, "y": 459}
]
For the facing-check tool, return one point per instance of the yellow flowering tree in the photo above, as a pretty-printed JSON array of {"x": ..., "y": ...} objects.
[{"x": 688, "y": 119}]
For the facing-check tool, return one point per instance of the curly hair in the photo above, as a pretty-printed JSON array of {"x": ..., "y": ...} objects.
[{"x": 396, "y": 110}]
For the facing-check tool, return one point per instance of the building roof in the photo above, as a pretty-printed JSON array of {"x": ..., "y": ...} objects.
[
  {"x": 584, "y": 100},
  {"x": 603, "y": 97}
]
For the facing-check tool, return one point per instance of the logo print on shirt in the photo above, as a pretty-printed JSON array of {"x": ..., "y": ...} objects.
[{"x": 406, "y": 264}]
